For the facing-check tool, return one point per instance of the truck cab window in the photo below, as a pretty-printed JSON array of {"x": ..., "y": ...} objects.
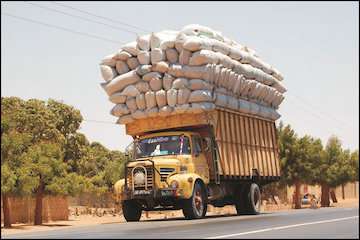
[{"x": 196, "y": 144}]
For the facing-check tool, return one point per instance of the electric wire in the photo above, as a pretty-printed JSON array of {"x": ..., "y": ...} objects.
[
  {"x": 60, "y": 27},
  {"x": 79, "y": 17},
  {"x": 99, "y": 16}
]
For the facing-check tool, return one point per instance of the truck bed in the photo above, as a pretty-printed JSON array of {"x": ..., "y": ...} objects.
[{"x": 247, "y": 144}]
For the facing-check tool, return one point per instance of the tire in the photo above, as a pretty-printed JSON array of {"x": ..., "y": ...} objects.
[
  {"x": 196, "y": 206},
  {"x": 250, "y": 200},
  {"x": 131, "y": 210}
]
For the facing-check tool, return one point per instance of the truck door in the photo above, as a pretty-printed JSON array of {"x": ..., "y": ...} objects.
[{"x": 200, "y": 162}]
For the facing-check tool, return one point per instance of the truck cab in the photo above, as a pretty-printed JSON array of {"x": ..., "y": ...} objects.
[{"x": 163, "y": 172}]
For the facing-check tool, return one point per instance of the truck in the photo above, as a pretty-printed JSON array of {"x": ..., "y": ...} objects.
[{"x": 187, "y": 161}]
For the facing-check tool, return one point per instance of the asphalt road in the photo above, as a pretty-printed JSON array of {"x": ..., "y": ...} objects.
[{"x": 305, "y": 223}]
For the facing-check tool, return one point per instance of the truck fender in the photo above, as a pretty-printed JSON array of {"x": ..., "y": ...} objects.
[
  {"x": 186, "y": 183},
  {"x": 119, "y": 190}
]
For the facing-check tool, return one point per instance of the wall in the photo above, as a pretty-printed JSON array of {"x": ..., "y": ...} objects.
[{"x": 22, "y": 209}]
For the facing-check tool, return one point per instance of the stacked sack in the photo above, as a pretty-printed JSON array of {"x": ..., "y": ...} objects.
[{"x": 189, "y": 71}]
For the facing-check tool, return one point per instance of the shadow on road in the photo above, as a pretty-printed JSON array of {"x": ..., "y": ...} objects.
[{"x": 206, "y": 217}]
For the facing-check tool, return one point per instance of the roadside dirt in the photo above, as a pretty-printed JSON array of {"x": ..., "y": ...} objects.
[{"x": 88, "y": 220}]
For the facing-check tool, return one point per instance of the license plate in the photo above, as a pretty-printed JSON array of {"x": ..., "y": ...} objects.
[
  {"x": 141, "y": 192},
  {"x": 166, "y": 193}
]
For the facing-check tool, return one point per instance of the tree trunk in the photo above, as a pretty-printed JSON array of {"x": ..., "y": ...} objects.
[
  {"x": 297, "y": 195},
  {"x": 343, "y": 191},
  {"x": 6, "y": 209},
  {"x": 333, "y": 196},
  {"x": 325, "y": 201},
  {"x": 39, "y": 205}
]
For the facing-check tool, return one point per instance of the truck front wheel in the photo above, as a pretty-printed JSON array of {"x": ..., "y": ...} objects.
[
  {"x": 131, "y": 210},
  {"x": 196, "y": 206},
  {"x": 250, "y": 200}
]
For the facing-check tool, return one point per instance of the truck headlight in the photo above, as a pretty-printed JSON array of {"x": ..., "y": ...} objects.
[{"x": 174, "y": 184}]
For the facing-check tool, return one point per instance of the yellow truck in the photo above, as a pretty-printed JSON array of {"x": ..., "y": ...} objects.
[{"x": 187, "y": 161}]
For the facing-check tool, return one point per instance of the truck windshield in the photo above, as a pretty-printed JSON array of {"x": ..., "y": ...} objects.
[{"x": 164, "y": 145}]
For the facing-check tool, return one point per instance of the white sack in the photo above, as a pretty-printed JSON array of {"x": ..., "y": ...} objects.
[
  {"x": 131, "y": 48},
  {"x": 201, "y": 107},
  {"x": 171, "y": 97},
  {"x": 200, "y": 96},
  {"x": 172, "y": 55},
  {"x": 143, "y": 57},
  {"x": 180, "y": 83},
  {"x": 150, "y": 99},
  {"x": 132, "y": 62},
  {"x": 183, "y": 96},
  {"x": 109, "y": 60},
  {"x": 131, "y": 104},
  {"x": 119, "y": 110},
  {"x": 142, "y": 86},
  {"x": 117, "y": 98},
  {"x": 125, "y": 119},
  {"x": 199, "y": 84},
  {"x": 139, "y": 114},
  {"x": 121, "y": 67},
  {"x": 130, "y": 91},
  {"x": 167, "y": 81},
  {"x": 143, "y": 69},
  {"x": 157, "y": 55},
  {"x": 165, "y": 111},
  {"x": 160, "y": 67},
  {"x": 152, "y": 75},
  {"x": 140, "y": 101},
  {"x": 155, "y": 84},
  {"x": 122, "y": 55},
  {"x": 120, "y": 82},
  {"x": 143, "y": 42},
  {"x": 163, "y": 40},
  {"x": 161, "y": 98},
  {"x": 244, "y": 106},
  {"x": 233, "y": 103},
  {"x": 184, "y": 57},
  {"x": 107, "y": 72}
]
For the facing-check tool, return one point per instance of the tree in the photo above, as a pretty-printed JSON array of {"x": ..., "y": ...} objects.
[
  {"x": 14, "y": 142},
  {"x": 34, "y": 135},
  {"x": 334, "y": 168},
  {"x": 296, "y": 157}
]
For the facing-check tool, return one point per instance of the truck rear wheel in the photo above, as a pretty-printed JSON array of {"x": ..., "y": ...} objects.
[
  {"x": 131, "y": 210},
  {"x": 196, "y": 206},
  {"x": 249, "y": 201}
]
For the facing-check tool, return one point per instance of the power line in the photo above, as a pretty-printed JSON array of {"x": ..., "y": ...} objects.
[
  {"x": 61, "y": 28},
  {"x": 95, "y": 15},
  {"x": 85, "y": 19},
  {"x": 319, "y": 110},
  {"x": 341, "y": 129}
]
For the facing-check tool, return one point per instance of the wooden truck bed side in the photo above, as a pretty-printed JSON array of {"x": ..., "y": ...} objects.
[{"x": 246, "y": 143}]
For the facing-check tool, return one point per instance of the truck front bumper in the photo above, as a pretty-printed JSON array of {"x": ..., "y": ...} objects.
[{"x": 155, "y": 194}]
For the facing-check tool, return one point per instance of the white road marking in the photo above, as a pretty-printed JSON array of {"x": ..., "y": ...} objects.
[{"x": 282, "y": 227}]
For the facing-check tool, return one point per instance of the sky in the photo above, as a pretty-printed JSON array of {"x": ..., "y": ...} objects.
[{"x": 314, "y": 45}]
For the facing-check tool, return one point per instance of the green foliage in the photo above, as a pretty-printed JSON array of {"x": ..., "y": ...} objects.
[
  {"x": 354, "y": 162},
  {"x": 34, "y": 135}
]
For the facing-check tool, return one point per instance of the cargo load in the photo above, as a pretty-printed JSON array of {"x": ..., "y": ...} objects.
[{"x": 192, "y": 70}]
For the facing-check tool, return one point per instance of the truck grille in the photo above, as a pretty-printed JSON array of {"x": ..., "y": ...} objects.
[
  {"x": 164, "y": 172},
  {"x": 149, "y": 179}
]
